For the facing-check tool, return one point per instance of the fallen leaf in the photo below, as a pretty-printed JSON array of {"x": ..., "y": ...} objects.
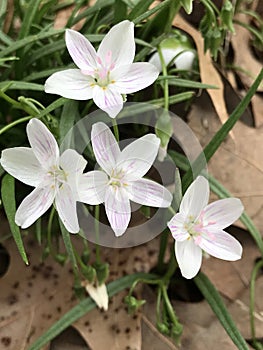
[{"x": 208, "y": 72}]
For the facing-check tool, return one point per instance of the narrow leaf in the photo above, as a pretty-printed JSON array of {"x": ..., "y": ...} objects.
[
  {"x": 217, "y": 305},
  {"x": 85, "y": 306},
  {"x": 8, "y": 198}
]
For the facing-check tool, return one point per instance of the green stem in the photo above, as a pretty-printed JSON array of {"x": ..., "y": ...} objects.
[
  {"x": 115, "y": 129},
  {"x": 254, "y": 274},
  {"x": 49, "y": 232},
  {"x": 97, "y": 233},
  {"x": 162, "y": 249},
  {"x": 16, "y": 122},
  {"x": 171, "y": 268},
  {"x": 169, "y": 307},
  {"x": 166, "y": 84}
]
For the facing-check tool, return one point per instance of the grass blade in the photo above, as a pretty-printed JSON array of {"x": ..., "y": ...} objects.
[
  {"x": 217, "y": 305},
  {"x": 8, "y": 198}
]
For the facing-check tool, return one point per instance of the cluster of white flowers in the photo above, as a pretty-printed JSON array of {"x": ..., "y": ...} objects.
[{"x": 105, "y": 76}]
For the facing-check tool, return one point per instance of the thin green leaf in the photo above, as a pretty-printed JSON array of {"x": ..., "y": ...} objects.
[
  {"x": 173, "y": 99},
  {"x": 20, "y": 85},
  {"x": 68, "y": 115},
  {"x": 29, "y": 40},
  {"x": 8, "y": 198},
  {"x": 149, "y": 13},
  {"x": 186, "y": 83},
  {"x": 217, "y": 305},
  {"x": 98, "y": 6},
  {"x": 222, "y": 133},
  {"x": 85, "y": 306},
  {"x": 30, "y": 13},
  {"x": 5, "y": 38},
  {"x": 69, "y": 247},
  {"x": 139, "y": 8},
  {"x": 120, "y": 11}
]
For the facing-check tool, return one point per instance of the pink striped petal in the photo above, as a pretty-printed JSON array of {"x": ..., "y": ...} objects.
[
  {"x": 34, "y": 205},
  {"x": 118, "y": 209},
  {"x": 108, "y": 99},
  {"x": 119, "y": 44},
  {"x": 43, "y": 143},
  {"x": 221, "y": 245},
  {"x": 73, "y": 164},
  {"x": 223, "y": 213},
  {"x": 148, "y": 192},
  {"x": 189, "y": 257},
  {"x": 177, "y": 227},
  {"x": 195, "y": 198},
  {"x": 81, "y": 50},
  {"x": 92, "y": 187},
  {"x": 70, "y": 83},
  {"x": 22, "y": 164},
  {"x": 105, "y": 147},
  {"x": 67, "y": 208},
  {"x": 137, "y": 158},
  {"x": 134, "y": 77}
]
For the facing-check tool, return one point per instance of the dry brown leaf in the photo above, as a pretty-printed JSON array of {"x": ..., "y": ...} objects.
[
  {"x": 32, "y": 298},
  {"x": 208, "y": 72},
  {"x": 257, "y": 107},
  {"x": 244, "y": 58}
]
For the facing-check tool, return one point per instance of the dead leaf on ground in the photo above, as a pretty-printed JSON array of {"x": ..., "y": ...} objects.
[
  {"x": 208, "y": 72},
  {"x": 244, "y": 58}
]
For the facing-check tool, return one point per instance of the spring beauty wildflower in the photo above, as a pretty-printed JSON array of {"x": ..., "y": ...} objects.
[
  {"x": 54, "y": 177},
  {"x": 121, "y": 178},
  {"x": 200, "y": 226},
  {"x": 106, "y": 75}
]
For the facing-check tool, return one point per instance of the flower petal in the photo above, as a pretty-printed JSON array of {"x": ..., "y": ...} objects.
[
  {"x": 67, "y": 208},
  {"x": 70, "y": 83},
  {"x": 34, "y": 205},
  {"x": 108, "y": 99},
  {"x": 22, "y": 164},
  {"x": 92, "y": 187},
  {"x": 119, "y": 43},
  {"x": 195, "y": 198},
  {"x": 118, "y": 209},
  {"x": 189, "y": 257},
  {"x": 81, "y": 50},
  {"x": 222, "y": 245},
  {"x": 105, "y": 147},
  {"x": 176, "y": 226},
  {"x": 73, "y": 164},
  {"x": 223, "y": 212},
  {"x": 148, "y": 192},
  {"x": 134, "y": 77},
  {"x": 43, "y": 143},
  {"x": 137, "y": 158},
  {"x": 99, "y": 294}
]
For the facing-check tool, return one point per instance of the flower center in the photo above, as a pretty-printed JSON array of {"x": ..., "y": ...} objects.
[
  {"x": 117, "y": 179},
  {"x": 197, "y": 228},
  {"x": 58, "y": 176},
  {"x": 102, "y": 73}
]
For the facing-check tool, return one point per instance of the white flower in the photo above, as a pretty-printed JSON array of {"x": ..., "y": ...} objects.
[
  {"x": 98, "y": 293},
  {"x": 53, "y": 176},
  {"x": 103, "y": 75},
  {"x": 199, "y": 226},
  {"x": 172, "y": 49},
  {"x": 121, "y": 177}
]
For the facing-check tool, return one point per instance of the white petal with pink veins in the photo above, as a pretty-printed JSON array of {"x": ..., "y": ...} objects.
[
  {"x": 119, "y": 42},
  {"x": 105, "y": 147},
  {"x": 81, "y": 50},
  {"x": 70, "y": 83},
  {"x": 34, "y": 205},
  {"x": 189, "y": 257},
  {"x": 21, "y": 163},
  {"x": 118, "y": 209}
]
